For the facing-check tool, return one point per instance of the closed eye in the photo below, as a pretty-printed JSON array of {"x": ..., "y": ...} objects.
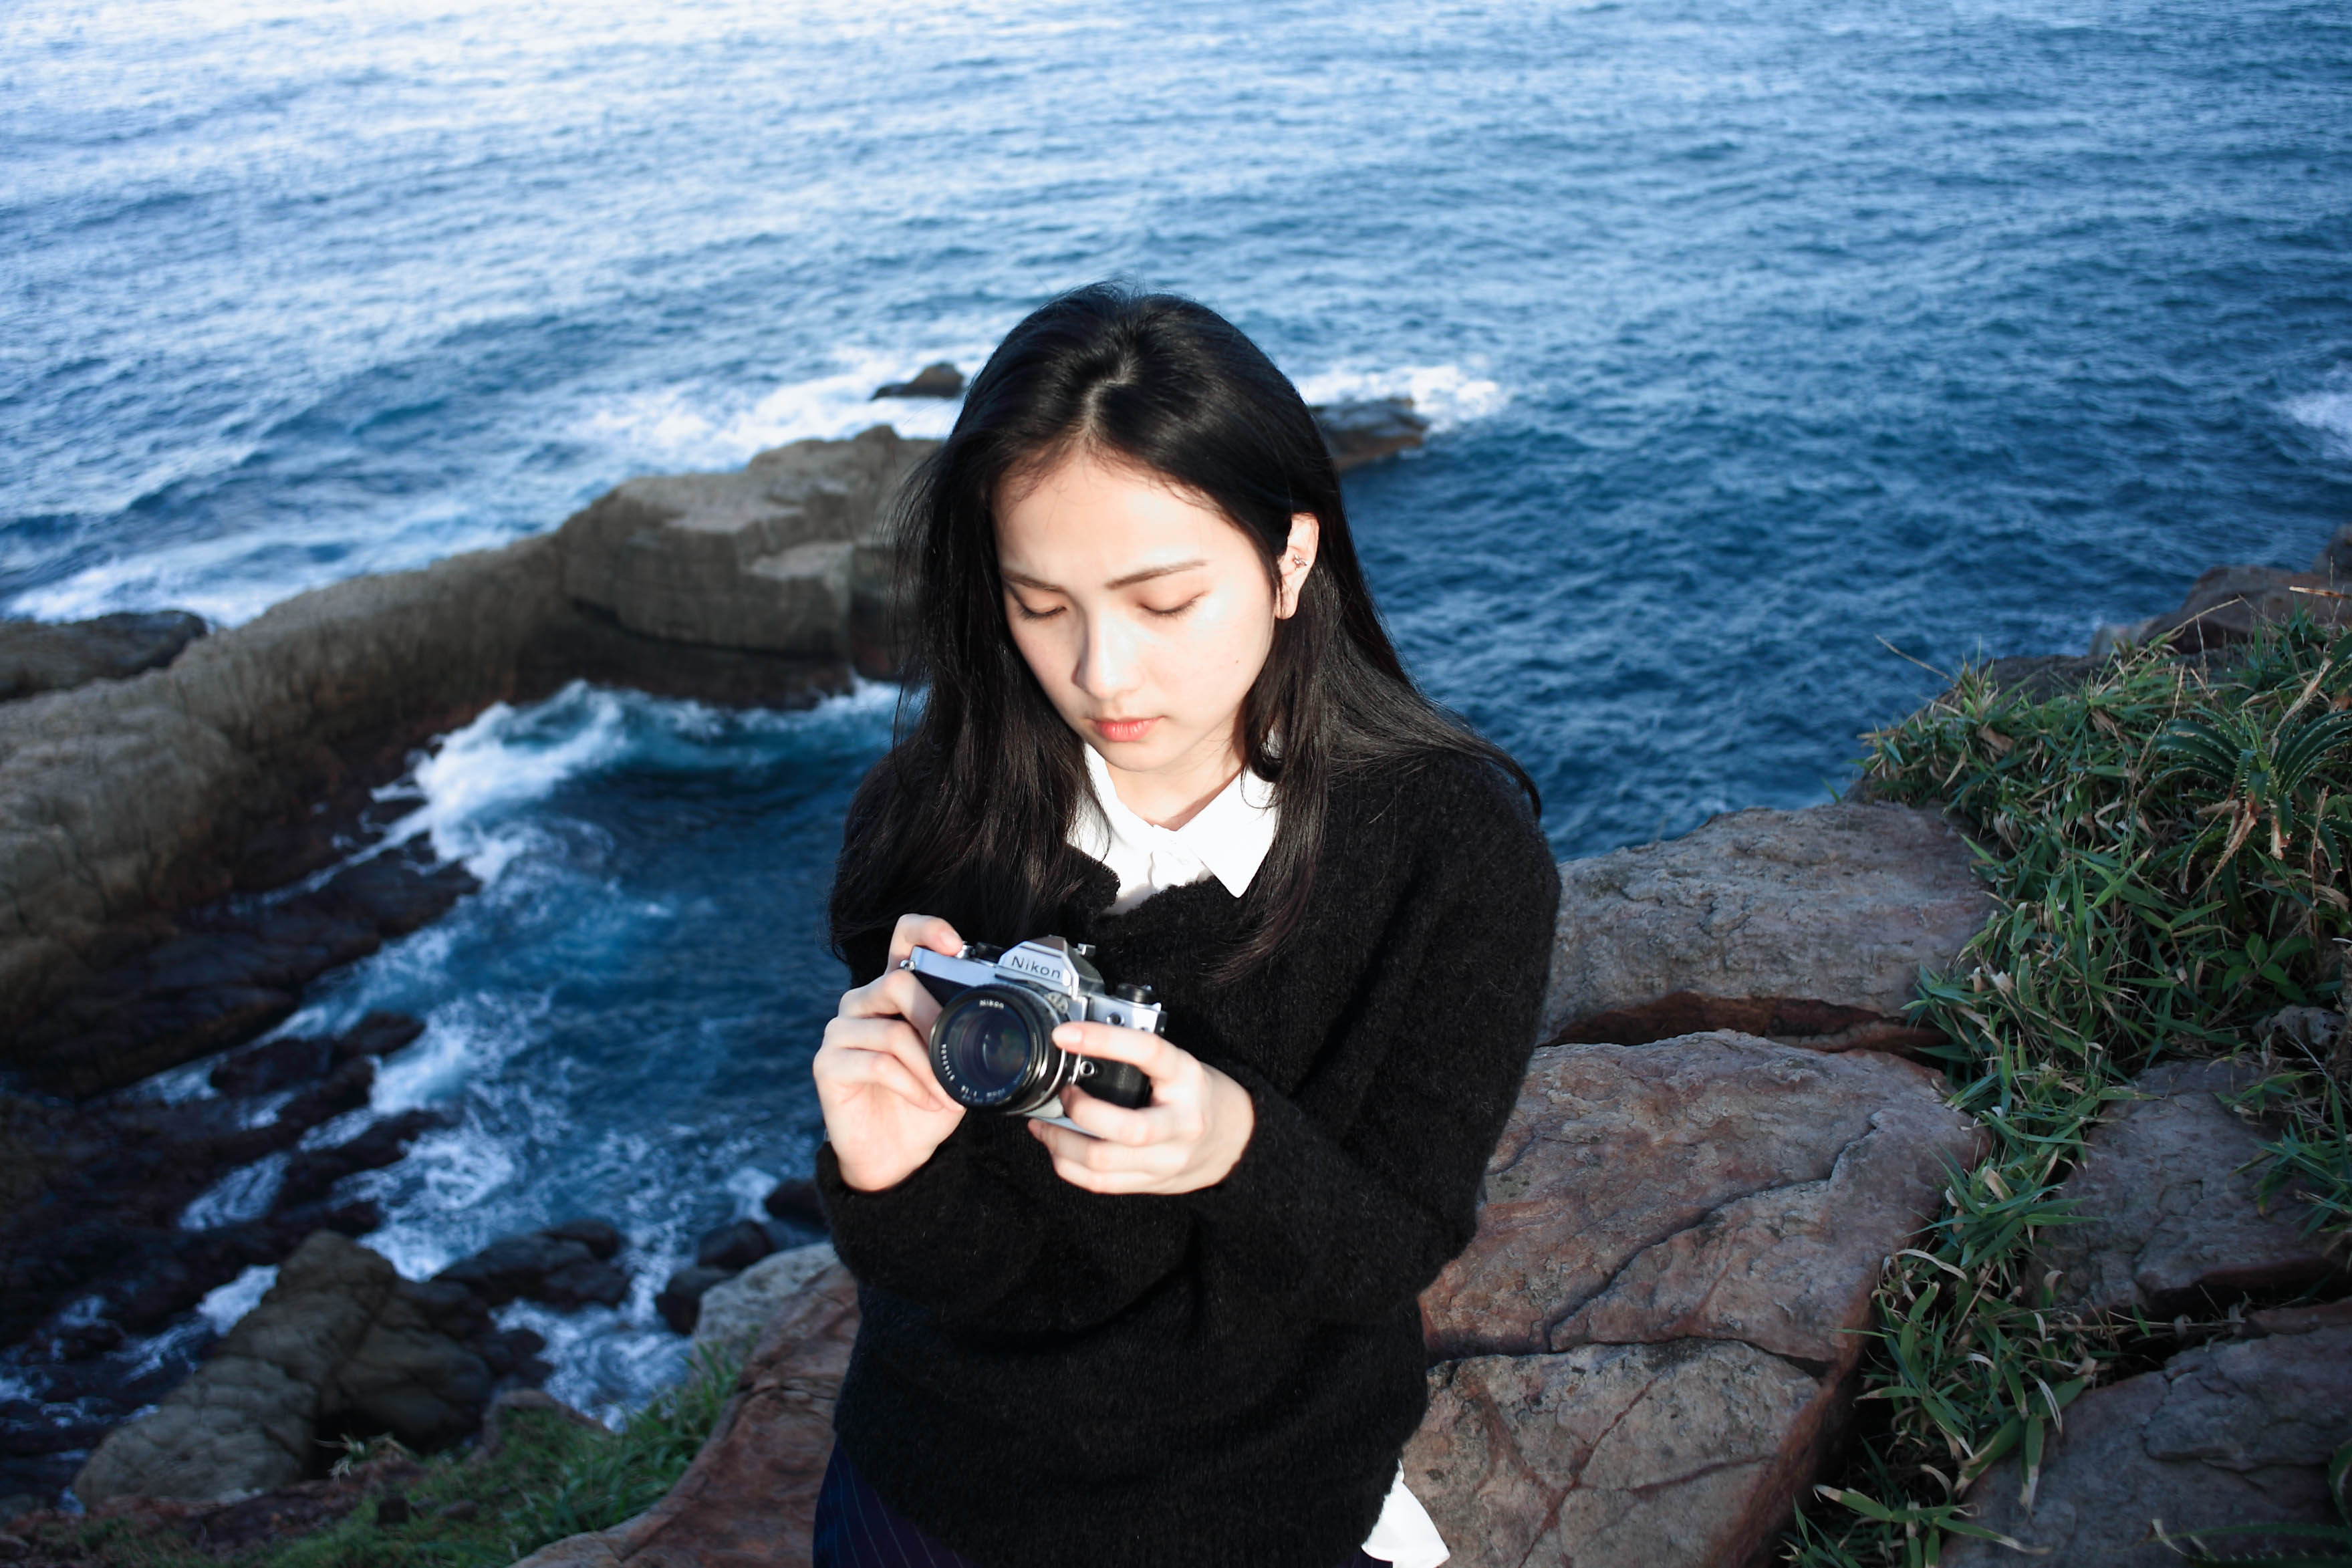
[
  {"x": 1026, "y": 614},
  {"x": 1173, "y": 611}
]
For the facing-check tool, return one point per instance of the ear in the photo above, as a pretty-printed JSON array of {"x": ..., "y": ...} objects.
[{"x": 1298, "y": 560}]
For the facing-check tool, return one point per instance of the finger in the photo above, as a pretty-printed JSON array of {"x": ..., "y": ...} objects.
[
  {"x": 898, "y": 993},
  {"x": 1094, "y": 1165},
  {"x": 891, "y": 1038},
  {"x": 1160, "y": 1061},
  {"x": 872, "y": 1070},
  {"x": 1116, "y": 1124},
  {"x": 922, "y": 931}
]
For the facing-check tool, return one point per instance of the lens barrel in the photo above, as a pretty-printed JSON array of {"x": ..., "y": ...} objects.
[{"x": 992, "y": 1049}]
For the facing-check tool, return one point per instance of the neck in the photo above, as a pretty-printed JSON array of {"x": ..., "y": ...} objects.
[{"x": 1172, "y": 795}]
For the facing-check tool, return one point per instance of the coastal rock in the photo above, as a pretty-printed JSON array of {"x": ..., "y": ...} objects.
[
  {"x": 2228, "y": 1433},
  {"x": 1807, "y": 926},
  {"x": 119, "y": 799},
  {"x": 734, "y": 1311},
  {"x": 679, "y": 1301},
  {"x": 738, "y": 1245},
  {"x": 2165, "y": 1195},
  {"x": 748, "y": 1500},
  {"x": 559, "y": 1269},
  {"x": 297, "y": 1058},
  {"x": 2229, "y": 604},
  {"x": 759, "y": 558},
  {"x": 795, "y": 1201},
  {"x": 340, "y": 1340},
  {"x": 35, "y": 655},
  {"x": 1646, "y": 1346},
  {"x": 938, "y": 380},
  {"x": 1368, "y": 429}
]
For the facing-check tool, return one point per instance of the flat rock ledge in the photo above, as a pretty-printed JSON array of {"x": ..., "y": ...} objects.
[
  {"x": 1648, "y": 1346},
  {"x": 2229, "y": 1434},
  {"x": 2165, "y": 1193},
  {"x": 1809, "y": 927}
]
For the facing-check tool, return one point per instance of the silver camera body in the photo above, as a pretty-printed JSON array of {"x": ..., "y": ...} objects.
[{"x": 992, "y": 1047}]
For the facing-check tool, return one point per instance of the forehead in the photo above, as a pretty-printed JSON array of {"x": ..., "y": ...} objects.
[{"x": 1084, "y": 512}]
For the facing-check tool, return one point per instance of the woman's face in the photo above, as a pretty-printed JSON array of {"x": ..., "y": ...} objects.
[{"x": 1145, "y": 613}]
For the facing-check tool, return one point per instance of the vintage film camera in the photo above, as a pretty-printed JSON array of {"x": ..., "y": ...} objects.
[{"x": 992, "y": 1043}]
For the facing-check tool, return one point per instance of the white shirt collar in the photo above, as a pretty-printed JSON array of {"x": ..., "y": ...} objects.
[{"x": 1227, "y": 839}]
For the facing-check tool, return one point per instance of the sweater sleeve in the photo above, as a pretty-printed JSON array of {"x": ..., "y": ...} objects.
[{"x": 1347, "y": 1226}]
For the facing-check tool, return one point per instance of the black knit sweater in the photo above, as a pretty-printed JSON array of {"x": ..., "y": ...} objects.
[{"x": 1046, "y": 1377}]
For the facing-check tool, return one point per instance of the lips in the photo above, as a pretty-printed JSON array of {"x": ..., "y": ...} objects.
[{"x": 1123, "y": 729}]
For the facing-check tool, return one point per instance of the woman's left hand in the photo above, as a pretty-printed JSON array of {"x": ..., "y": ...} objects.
[{"x": 1188, "y": 1137}]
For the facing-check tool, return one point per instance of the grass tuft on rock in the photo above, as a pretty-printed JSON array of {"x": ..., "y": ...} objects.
[
  {"x": 549, "y": 1476},
  {"x": 2168, "y": 847}
]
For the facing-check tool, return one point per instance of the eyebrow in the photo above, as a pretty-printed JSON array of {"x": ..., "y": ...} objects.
[{"x": 1129, "y": 581}]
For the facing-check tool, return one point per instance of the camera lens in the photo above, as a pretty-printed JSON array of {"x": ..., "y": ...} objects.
[{"x": 991, "y": 1045}]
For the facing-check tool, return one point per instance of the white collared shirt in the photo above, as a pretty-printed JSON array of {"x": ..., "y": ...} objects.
[{"x": 1228, "y": 839}]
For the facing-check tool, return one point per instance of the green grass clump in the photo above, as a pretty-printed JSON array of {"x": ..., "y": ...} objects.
[
  {"x": 2168, "y": 848},
  {"x": 548, "y": 1477}
]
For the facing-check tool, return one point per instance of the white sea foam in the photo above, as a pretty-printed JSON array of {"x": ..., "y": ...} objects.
[
  {"x": 224, "y": 1304},
  {"x": 705, "y": 426},
  {"x": 242, "y": 1194},
  {"x": 1448, "y": 395},
  {"x": 2330, "y": 413}
]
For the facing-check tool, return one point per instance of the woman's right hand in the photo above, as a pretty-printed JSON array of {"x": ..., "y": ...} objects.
[{"x": 884, "y": 1109}]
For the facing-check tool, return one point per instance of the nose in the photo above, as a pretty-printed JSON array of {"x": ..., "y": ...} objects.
[{"x": 1107, "y": 665}]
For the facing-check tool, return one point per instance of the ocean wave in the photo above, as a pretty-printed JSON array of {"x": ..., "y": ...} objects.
[
  {"x": 700, "y": 425},
  {"x": 2329, "y": 413},
  {"x": 1449, "y": 396},
  {"x": 224, "y": 1304}
]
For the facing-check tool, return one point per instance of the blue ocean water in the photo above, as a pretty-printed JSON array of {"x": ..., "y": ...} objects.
[{"x": 1760, "y": 337}]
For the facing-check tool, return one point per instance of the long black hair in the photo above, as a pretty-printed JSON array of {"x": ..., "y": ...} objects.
[{"x": 968, "y": 816}]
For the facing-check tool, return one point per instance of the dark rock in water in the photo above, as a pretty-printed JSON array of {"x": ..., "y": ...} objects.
[
  {"x": 939, "y": 380},
  {"x": 1367, "y": 430},
  {"x": 680, "y": 1300},
  {"x": 797, "y": 1200},
  {"x": 733, "y": 1246},
  {"x": 38, "y": 657},
  {"x": 577, "y": 1285},
  {"x": 515, "y": 1266},
  {"x": 83, "y": 1340},
  {"x": 561, "y": 1266},
  {"x": 513, "y": 1353},
  {"x": 600, "y": 1237},
  {"x": 453, "y": 1310},
  {"x": 313, "y": 1171},
  {"x": 297, "y": 1058},
  {"x": 229, "y": 971}
]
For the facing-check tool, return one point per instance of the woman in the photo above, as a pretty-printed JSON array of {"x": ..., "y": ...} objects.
[{"x": 1162, "y": 719}]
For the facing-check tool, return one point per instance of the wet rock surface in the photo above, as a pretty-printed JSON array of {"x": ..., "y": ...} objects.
[
  {"x": 566, "y": 1267},
  {"x": 939, "y": 380},
  {"x": 1806, "y": 926},
  {"x": 37, "y": 656},
  {"x": 1644, "y": 1349},
  {"x": 2237, "y": 1433},
  {"x": 1368, "y": 429},
  {"x": 2168, "y": 1218}
]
